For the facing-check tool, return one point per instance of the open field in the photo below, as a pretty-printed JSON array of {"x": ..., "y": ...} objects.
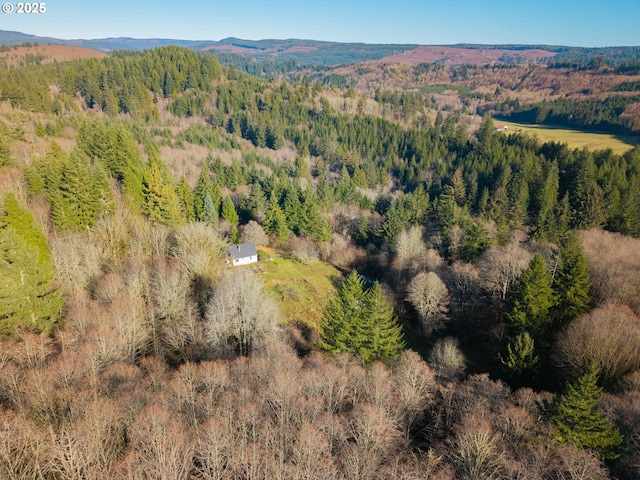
[
  {"x": 574, "y": 138},
  {"x": 302, "y": 290},
  {"x": 43, "y": 54}
]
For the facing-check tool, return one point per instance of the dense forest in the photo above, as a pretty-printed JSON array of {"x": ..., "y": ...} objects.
[{"x": 483, "y": 315}]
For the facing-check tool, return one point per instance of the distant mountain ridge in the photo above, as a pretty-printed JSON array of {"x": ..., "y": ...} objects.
[{"x": 318, "y": 52}]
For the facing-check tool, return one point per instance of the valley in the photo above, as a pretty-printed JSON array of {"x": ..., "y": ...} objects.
[{"x": 433, "y": 298}]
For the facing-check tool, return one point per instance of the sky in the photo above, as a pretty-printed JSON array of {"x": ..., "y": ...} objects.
[{"x": 587, "y": 23}]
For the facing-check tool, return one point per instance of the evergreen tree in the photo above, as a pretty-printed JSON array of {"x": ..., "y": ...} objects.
[
  {"x": 293, "y": 210},
  {"x": 186, "y": 199},
  {"x": 531, "y": 300},
  {"x": 78, "y": 191},
  {"x": 101, "y": 193},
  {"x": 70, "y": 196},
  {"x": 161, "y": 202},
  {"x": 418, "y": 206},
  {"x": 457, "y": 189},
  {"x": 562, "y": 217},
  {"x": 342, "y": 317},
  {"x": 571, "y": 280},
  {"x": 205, "y": 185},
  {"x": 630, "y": 208},
  {"x": 483, "y": 203},
  {"x": 519, "y": 202},
  {"x": 4, "y": 148},
  {"x": 592, "y": 210},
  {"x": 312, "y": 224},
  {"x": 363, "y": 234},
  {"x": 28, "y": 294},
  {"x": 545, "y": 202},
  {"x": 275, "y": 223},
  {"x": 578, "y": 421},
  {"x": 361, "y": 322},
  {"x": 360, "y": 178},
  {"x": 394, "y": 222},
  {"x": 114, "y": 146},
  {"x": 381, "y": 334},
  {"x": 499, "y": 205},
  {"x": 257, "y": 203},
  {"x": 486, "y": 132},
  {"x": 229, "y": 212},
  {"x": 210, "y": 213},
  {"x": 520, "y": 358},
  {"x": 21, "y": 221},
  {"x": 475, "y": 242}
]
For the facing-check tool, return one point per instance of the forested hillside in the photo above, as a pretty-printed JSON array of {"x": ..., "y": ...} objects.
[{"x": 485, "y": 323}]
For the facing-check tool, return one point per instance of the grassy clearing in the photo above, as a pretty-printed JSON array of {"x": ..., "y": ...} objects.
[
  {"x": 302, "y": 290},
  {"x": 574, "y": 138}
]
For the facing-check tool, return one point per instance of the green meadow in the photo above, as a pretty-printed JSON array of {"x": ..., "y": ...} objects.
[{"x": 574, "y": 138}]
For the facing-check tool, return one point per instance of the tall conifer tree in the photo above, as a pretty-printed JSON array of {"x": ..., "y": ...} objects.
[
  {"x": 161, "y": 202},
  {"x": 187, "y": 200},
  {"x": 275, "y": 223},
  {"x": 531, "y": 300},
  {"x": 571, "y": 280},
  {"x": 578, "y": 420},
  {"x": 361, "y": 322},
  {"x": 28, "y": 294}
]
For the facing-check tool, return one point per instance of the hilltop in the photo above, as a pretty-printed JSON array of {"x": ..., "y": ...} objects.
[
  {"x": 43, "y": 54},
  {"x": 315, "y": 52}
]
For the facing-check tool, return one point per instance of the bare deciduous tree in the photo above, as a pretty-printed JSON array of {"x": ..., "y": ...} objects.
[
  {"x": 501, "y": 266},
  {"x": 240, "y": 313},
  {"x": 409, "y": 243},
  {"x": 608, "y": 336},
  {"x": 430, "y": 297},
  {"x": 476, "y": 453},
  {"x": 446, "y": 358},
  {"x": 311, "y": 455},
  {"x": 580, "y": 464},
  {"x": 613, "y": 261},
  {"x": 253, "y": 232},
  {"x": 77, "y": 261},
  {"x": 22, "y": 447},
  {"x": 160, "y": 447},
  {"x": 463, "y": 280},
  {"x": 213, "y": 450},
  {"x": 113, "y": 234},
  {"x": 199, "y": 250},
  {"x": 414, "y": 384}
]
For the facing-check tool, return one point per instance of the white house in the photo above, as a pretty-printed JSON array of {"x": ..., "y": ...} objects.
[
  {"x": 501, "y": 128},
  {"x": 243, "y": 254}
]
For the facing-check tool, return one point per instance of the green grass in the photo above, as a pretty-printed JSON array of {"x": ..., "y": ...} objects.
[
  {"x": 302, "y": 290},
  {"x": 443, "y": 87},
  {"x": 574, "y": 138}
]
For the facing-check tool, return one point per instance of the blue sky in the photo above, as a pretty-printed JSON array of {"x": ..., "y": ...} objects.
[{"x": 558, "y": 22}]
